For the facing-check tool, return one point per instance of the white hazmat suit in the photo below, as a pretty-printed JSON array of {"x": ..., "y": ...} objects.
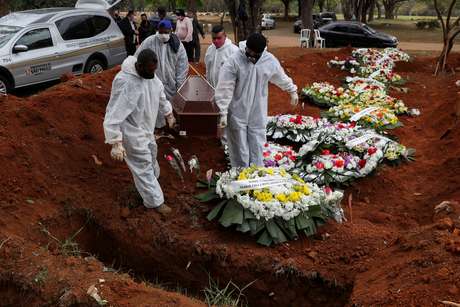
[
  {"x": 172, "y": 67},
  {"x": 130, "y": 118},
  {"x": 215, "y": 58},
  {"x": 241, "y": 96}
]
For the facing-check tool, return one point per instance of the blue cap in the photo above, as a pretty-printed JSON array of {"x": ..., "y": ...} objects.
[{"x": 165, "y": 23}]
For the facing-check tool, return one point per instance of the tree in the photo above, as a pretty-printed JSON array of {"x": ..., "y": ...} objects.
[
  {"x": 3, "y": 7},
  {"x": 390, "y": 7},
  {"x": 347, "y": 9},
  {"x": 450, "y": 30},
  {"x": 306, "y": 13},
  {"x": 245, "y": 16},
  {"x": 286, "y": 8}
]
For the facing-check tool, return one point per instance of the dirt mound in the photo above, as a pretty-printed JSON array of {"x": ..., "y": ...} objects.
[{"x": 57, "y": 176}]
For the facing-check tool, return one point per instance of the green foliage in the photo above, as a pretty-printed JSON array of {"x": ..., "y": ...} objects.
[
  {"x": 67, "y": 247},
  {"x": 427, "y": 24},
  {"x": 41, "y": 276},
  {"x": 231, "y": 295}
]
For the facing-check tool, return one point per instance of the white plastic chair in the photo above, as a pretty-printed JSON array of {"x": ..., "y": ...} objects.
[
  {"x": 305, "y": 38},
  {"x": 319, "y": 40}
]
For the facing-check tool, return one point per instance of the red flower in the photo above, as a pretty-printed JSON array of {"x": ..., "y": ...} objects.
[
  {"x": 266, "y": 145},
  {"x": 327, "y": 190},
  {"x": 319, "y": 165},
  {"x": 169, "y": 158},
  {"x": 338, "y": 163},
  {"x": 278, "y": 157},
  {"x": 362, "y": 163},
  {"x": 372, "y": 150},
  {"x": 341, "y": 126},
  {"x": 352, "y": 124},
  {"x": 326, "y": 152},
  {"x": 266, "y": 154},
  {"x": 292, "y": 158}
]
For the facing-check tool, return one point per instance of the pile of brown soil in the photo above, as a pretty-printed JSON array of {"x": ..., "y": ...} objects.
[{"x": 57, "y": 176}]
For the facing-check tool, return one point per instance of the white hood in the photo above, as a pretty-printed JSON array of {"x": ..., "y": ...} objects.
[
  {"x": 242, "y": 46},
  {"x": 129, "y": 66}
]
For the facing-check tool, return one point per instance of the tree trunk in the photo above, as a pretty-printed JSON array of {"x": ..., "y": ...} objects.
[
  {"x": 389, "y": 9},
  {"x": 3, "y": 7},
  {"x": 347, "y": 9},
  {"x": 371, "y": 10},
  {"x": 286, "y": 9},
  {"x": 321, "y": 5},
  {"x": 306, "y": 14},
  {"x": 379, "y": 9},
  {"x": 245, "y": 15},
  {"x": 191, "y": 6}
]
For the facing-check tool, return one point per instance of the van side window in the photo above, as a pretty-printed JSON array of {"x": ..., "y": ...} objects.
[
  {"x": 100, "y": 24},
  {"x": 75, "y": 27},
  {"x": 83, "y": 26},
  {"x": 36, "y": 39}
]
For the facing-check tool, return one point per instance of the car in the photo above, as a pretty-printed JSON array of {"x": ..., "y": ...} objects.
[
  {"x": 41, "y": 45},
  {"x": 318, "y": 21},
  {"x": 355, "y": 34},
  {"x": 268, "y": 21}
]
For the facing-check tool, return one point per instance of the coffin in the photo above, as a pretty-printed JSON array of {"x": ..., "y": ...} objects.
[{"x": 195, "y": 109}]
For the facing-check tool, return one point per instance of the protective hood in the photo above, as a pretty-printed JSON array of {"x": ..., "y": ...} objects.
[
  {"x": 242, "y": 46},
  {"x": 129, "y": 66}
]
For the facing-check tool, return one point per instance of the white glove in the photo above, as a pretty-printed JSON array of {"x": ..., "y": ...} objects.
[
  {"x": 171, "y": 120},
  {"x": 223, "y": 121},
  {"x": 294, "y": 99},
  {"x": 118, "y": 152}
]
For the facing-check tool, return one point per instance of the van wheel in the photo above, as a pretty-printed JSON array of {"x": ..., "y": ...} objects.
[
  {"x": 5, "y": 86},
  {"x": 94, "y": 66}
]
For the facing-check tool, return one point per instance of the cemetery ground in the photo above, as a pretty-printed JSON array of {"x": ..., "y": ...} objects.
[{"x": 70, "y": 217}]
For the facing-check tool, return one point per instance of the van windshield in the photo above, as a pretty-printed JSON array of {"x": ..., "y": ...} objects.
[{"x": 6, "y": 33}]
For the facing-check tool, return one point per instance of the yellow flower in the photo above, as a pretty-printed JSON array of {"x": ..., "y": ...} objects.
[
  {"x": 281, "y": 197},
  {"x": 242, "y": 176},
  {"x": 263, "y": 196},
  {"x": 270, "y": 171},
  {"x": 294, "y": 196}
]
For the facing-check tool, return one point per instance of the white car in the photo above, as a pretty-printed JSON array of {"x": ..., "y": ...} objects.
[
  {"x": 268, "y": 21},
  {"x": 41, "y": 45}
]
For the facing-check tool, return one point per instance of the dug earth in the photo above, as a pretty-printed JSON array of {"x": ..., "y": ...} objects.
[{"x": 71, "y": 221}]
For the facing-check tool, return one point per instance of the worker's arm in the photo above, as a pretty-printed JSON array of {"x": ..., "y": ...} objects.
[
  {"x": 280, "y": 79},
  {"x": 226, "y": 86},
  {"x": 181, "y": 66},
  {"x": 208, "y": 64},
  {"x": 123, "y": 99},
  {"x": 165, "y": 107}
]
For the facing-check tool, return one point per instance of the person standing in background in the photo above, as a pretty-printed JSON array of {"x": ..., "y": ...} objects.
[
  {"x": 172, "y": 60},
  {"x": 216, "y": 56},
  {"x": 145, "y": 29},
  {"x": 184, "y": 31},
  {"x": 129, "y": 30},
  {"x": 197, "y": 31},
  {"x": 116, "y": 16}
]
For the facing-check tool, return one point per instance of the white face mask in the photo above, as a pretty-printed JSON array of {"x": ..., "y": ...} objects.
[{"x": 164, "y": 37}]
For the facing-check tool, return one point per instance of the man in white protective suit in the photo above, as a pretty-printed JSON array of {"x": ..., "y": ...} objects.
[
  {"x": 172, "y": 60},
  {"x": 218, "y": 53},
  {"x": 137, "y": 98},
  {"x": 241, "y": 95}
]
